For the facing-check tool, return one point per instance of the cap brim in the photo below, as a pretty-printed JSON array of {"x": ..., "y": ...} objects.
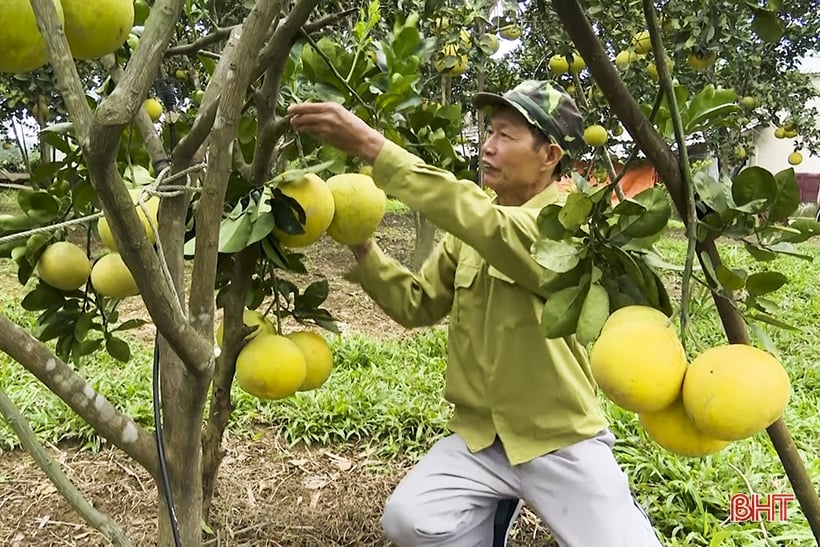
[{"x": 485, "y": 100}]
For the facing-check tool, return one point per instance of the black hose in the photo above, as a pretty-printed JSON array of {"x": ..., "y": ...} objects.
[{"x": 167, "y": 94}]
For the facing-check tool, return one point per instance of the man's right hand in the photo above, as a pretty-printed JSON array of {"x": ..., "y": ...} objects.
[{"x": 360, "y": 249}]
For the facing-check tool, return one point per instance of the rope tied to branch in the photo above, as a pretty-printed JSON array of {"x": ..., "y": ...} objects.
[{"x": 160, "y": 188}]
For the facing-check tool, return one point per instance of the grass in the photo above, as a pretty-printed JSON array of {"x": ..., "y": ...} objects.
[{"x": 387, "y": 394}]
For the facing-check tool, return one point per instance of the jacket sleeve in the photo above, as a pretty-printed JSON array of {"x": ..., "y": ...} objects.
[
  {"x": 503, "y": 236},
  {"x": 411, "y": 299}
]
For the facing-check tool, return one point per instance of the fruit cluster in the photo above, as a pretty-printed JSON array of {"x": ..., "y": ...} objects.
[
  {"x": 92, "y": 29},
  {"x": 727, "y": 393}
]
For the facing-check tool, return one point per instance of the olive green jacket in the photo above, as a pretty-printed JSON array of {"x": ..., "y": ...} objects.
[{"x": 503, "y": 377}]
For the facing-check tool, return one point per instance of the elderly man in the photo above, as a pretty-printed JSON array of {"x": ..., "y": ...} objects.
[{"x": 526, "y": 422}]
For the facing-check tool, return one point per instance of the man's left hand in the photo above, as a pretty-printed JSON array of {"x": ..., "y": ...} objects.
[{"x": 336, "y": 125}]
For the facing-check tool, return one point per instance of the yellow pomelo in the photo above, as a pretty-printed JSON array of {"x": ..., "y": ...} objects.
[
  {"x": 795, "y": 158},
  {"x": 635, "y": 313},
  {"x": 577, "y": 64},
  {"x": 64, "y": 266},
  {"x": 595, "y": 135},
  {"x": 22, "y": 48},
  {"x": 111, "y": 277},
  {"x": 639, "y": 365},
  {"x": 151, "y": 203},
  {"x": 318, "y": 358},
  {"x": 700, "y": 61},
  {"x": 642, "y": 42},
  {"x": 251, "y": 318},
  {"x": 316, "y": 200},
  {"x": 734, "y": 391},
  {"x": 672, "y": 429},
  {"x": 360, "y": 206},
  {"x": 153, "y": 108},
  {"x": 451, "y": 51},
  {"x": 558, "y": 64},
  {"x": 97, "y": 28},
  {"x": 270, "y": 366},
  {"x": 510, "y": 32}
]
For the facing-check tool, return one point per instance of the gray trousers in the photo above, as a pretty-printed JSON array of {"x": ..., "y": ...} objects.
[{"x": 580, "y": 492}]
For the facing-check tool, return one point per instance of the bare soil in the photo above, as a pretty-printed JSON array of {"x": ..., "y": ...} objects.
[{"x": 267, "y": 494}]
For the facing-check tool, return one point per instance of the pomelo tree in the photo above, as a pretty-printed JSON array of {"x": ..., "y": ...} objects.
[
  {"x": 218, "y": 160},
  {"x": 224, "y": 73}
]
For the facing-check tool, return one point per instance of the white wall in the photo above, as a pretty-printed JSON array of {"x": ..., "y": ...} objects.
[{"x": 771, "y": 153}]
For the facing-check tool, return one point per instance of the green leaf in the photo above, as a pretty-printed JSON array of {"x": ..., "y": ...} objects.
[
  {"x": 808, "y": 228},
  {"x": 82, "y": 326},
  {"x": 118, "y": 349},
  {"x": 653, "y": 220},
  {"x": 41, "y": 298},
  {"x": 754, "y": 184},
  {"x": 759, "y": 253},
  {"x": 129, "y": 324},
  {"x": 787, "y": 198},
  {"x": 629, "y": 206},
  {"x": 594, "y": 314},
  {"x": 711, "y": 191},
  {"x": 575, "y": 211},
  {"x": 314, "y": 295},
  {"x": 556, "y": 256},
  {"x": 767, "y": 25},
  {"x": 561, "y": 310},
  {"x": 549, "y": 224},
  {"x": 86, "y": 347},
  {"x": 234, "y": 231},
  {"x": 710, "y": 103},
  {"x": 761, "y": 283},
  {"x": 733, "y": 280}
]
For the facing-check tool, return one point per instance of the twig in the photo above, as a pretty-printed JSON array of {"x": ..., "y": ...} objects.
[
  {"x": 100, "y": 521},
  {"x": 665, "y": 79},
  {"x": 200, "y": 43},
  {"x": 341, "y": 79}
]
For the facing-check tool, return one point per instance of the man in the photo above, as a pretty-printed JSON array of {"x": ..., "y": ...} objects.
[{"x": 526, "y": 423}]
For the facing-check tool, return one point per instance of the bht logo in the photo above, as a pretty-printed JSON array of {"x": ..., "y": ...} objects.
[{"x": 753, "y": 507}]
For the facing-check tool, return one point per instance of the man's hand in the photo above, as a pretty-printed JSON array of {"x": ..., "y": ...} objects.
[
  {"x": 336, "y": 125},
  {"x": 360, "y": 250}
]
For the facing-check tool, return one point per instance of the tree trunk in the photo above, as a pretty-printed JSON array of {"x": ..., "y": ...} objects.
[
  {"x": 425, "y": 239},
  {"x": 183, "y": 396}
]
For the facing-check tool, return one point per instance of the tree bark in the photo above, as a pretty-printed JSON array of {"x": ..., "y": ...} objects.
[
  {"x": 78, "y": 394},
  {"x": 99, "y": 521},
  {"x": 666, "y": 163}
]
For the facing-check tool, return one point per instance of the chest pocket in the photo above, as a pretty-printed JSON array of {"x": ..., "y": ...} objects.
[{"x": 464, "y": 298}]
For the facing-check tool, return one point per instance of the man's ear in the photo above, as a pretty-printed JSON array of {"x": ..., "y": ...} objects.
[{"x": 553, "y": 155}]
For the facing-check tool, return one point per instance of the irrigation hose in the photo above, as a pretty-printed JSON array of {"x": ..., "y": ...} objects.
[{"x": 166, "y": 93}]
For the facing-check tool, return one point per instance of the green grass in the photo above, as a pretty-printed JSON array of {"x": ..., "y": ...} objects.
[{"x": 386, "y": 394}]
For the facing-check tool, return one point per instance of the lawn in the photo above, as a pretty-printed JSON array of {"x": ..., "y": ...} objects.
[{"x": 384, "y": 399}]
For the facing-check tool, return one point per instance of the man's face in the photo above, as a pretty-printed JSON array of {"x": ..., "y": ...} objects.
[{"x": 510, "y": 159}]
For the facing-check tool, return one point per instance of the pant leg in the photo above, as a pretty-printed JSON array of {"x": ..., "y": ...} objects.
[
  {"x": 583, "y": 497},
  {"x": 450, "y": 497}
]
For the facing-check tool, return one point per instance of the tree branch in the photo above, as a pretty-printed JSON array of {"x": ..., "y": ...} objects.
[
  {"x": 99, "y": 137},
  {"x": 623, "y": 105},
  {"x": 236, "y": 69},
  {"x": 284, "y": 36},
  {"x": 328, "y": 20},
  {"x": 233, "y": 333},
  {"x": 99, "y": 521},
  {"x": 200, "y": 43},
  {"x": 69, "y": 386}
]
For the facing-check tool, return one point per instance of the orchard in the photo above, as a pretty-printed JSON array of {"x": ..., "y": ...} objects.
[{"x": 184, "y": 359}]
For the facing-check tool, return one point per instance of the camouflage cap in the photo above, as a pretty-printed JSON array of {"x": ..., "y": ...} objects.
[{"x": 546, "y": 106}]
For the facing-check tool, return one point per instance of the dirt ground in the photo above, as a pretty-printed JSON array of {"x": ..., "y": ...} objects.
[{"x": 267, "y": 494}]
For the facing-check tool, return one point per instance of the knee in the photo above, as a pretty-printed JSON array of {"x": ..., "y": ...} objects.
[
  {"x": 407, "y": 523},
  {"x": 399, "y": 521}
]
